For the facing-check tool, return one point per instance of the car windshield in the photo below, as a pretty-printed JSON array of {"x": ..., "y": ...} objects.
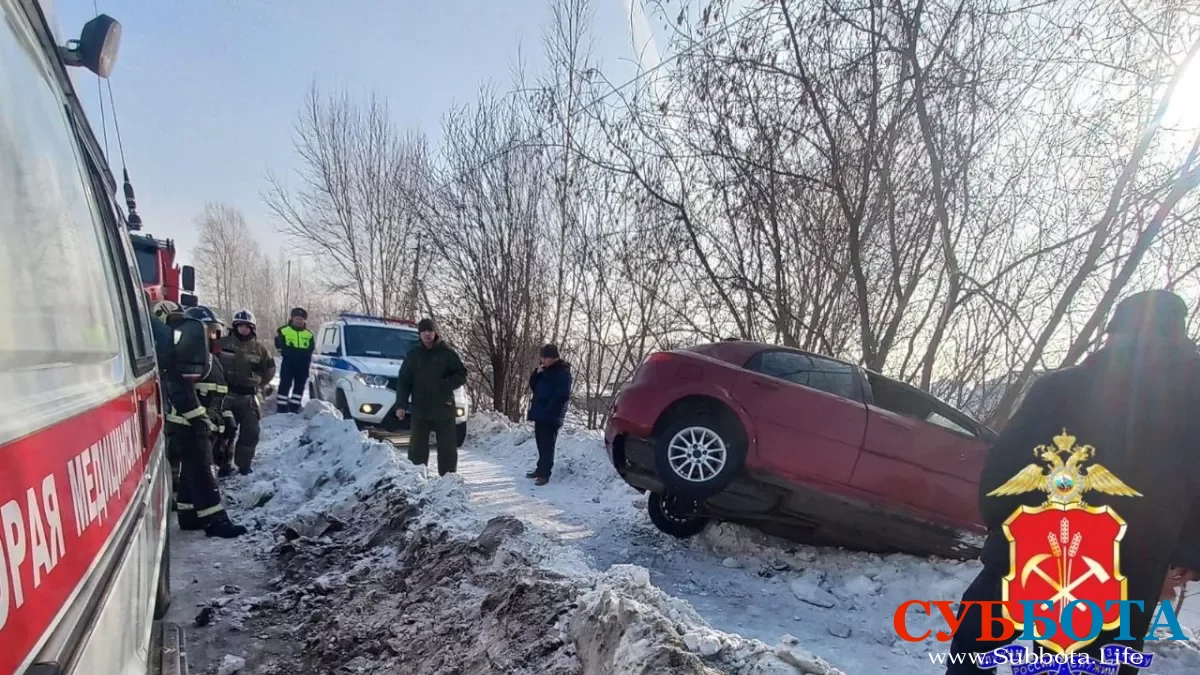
[
  {"x": 147, "y": 262},
  {"x": 379, "y": 341}
]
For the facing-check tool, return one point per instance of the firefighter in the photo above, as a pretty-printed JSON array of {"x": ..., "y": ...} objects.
[
  {"x": 251, "y": 368},
  {"x": 212, "y": 393},
  {"x": 295, "y": 344},
  {"x": 189, "y": 429}
]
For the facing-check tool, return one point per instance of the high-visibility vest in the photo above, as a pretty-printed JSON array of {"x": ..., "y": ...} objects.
[{"x": 298, "y": 339}]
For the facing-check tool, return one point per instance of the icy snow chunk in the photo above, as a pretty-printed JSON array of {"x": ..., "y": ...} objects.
[
  {"x": 861, "y": 584},
  {"x": 704, "y": 644},
  {"x": 731, "y": 562},
  {"x": 231, "y": 664},
  {"x": 839, "y": 630},
  {"x": 807, "y": 588}
]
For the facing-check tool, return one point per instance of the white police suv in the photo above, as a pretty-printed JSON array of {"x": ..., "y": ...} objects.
[{"x": 355, "y": 364}]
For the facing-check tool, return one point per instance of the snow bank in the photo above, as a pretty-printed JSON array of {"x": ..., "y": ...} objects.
[{"x": 382, "y": 570}]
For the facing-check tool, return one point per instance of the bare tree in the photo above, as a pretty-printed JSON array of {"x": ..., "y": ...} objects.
[{"x": 355, "y": 207}]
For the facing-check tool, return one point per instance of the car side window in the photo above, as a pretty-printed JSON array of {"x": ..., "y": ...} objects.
[
  {"x": 788, "y": 366},
  {"x": 825, "y": 375},
  {"x": 833, "y": 377},
  {"x": 335, "y": 344}
]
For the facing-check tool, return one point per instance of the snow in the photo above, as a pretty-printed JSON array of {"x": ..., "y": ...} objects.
[{"x": 368, "y": 546}]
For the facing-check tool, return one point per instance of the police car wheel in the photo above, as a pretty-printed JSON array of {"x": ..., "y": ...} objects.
[{"x": 344, "y": 407}]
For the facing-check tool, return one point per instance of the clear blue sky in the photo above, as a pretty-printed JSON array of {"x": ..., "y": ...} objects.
[{"x": 207, "y": 90}]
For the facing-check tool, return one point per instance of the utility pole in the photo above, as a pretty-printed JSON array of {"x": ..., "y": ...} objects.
[{"x": 287, "y": 290}]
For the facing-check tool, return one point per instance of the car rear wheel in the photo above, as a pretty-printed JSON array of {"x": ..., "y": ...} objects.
[
  {"x": 460, "y": 433},
  {"x": 676, "y": 515},
  {"x": 700, "y": 454}
]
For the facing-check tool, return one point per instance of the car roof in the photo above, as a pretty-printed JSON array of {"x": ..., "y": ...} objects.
[
  {"x": 369, "y": 322},
  {"x": 739, "y": 351}
]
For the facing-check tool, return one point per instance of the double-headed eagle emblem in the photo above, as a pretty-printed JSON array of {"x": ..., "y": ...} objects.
[{"x": 1064, "y": 482}]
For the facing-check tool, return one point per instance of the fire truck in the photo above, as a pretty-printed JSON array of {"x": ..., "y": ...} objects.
[
  {"x": 84, "y": 482},
  {"x": 161, "y": 277}
]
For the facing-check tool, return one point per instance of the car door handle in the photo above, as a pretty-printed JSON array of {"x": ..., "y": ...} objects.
[{"x": 764, "y": 385}]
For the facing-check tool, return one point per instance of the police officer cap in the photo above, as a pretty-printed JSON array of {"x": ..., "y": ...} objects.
[{"x": 299, "y": 312}]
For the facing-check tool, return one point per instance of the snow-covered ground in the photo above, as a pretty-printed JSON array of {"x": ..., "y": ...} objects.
[{"x": 358, "y": 563}]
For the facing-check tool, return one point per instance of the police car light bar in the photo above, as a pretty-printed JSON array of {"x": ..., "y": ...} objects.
[{"x": 380, "y": 319}]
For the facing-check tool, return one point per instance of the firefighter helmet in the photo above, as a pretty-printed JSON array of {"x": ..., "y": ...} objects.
[
  {"x": 244, "y": 316},
  {"x": 164, "y": 309}
]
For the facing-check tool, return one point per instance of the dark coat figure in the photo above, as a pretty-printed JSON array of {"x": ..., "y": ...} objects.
[
  {"x": 428, "y": 377},
  {"x": 551, "y": 387},
  {"x": 295, "y": 344},
  {"x": 1137, "y": 401}
]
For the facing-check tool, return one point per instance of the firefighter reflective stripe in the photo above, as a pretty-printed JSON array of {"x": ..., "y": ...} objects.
[
  {"x": 227, "y": 413},
  {"x": 187, "y": 417},
  {"x": 212, "y": 510},
  {"x": 210, "y": 387},
  {"x": 180, "y": 506},
  {"x": 299, "y": 339}
]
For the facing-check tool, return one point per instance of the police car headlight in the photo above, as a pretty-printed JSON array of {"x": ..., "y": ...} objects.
[{"x": 378, "y": 381}]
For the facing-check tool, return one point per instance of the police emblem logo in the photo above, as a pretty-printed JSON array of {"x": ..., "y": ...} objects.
[{"x": 1065, "y": 554}]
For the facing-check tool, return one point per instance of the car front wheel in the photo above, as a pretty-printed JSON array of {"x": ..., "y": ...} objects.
[{"x": 677, "y": 516}]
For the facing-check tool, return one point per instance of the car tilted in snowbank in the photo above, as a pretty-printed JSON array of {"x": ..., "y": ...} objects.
[{"x": 799, "y": 445}]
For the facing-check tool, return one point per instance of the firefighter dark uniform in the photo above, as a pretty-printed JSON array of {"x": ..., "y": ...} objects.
[
  {"x": 295, "y": 345},
  {"x": 249, "y": 368},
  {"x": 189, "y": 429},
  {"x": 198, "y": 498}
]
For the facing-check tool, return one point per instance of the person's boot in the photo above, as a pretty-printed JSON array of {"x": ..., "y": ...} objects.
[
  {"x": 188, "y": 521},
  {"x": 531, "y": 474},
  {"x": 246, "y": 471},
  {"x": 225, "y": 471},
  {"x": 541, "y": 480},
  {"x": 220, "y": 525}
]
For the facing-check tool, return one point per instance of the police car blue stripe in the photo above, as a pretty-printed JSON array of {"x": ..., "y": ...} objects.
[{"x": 336, "y": 362}]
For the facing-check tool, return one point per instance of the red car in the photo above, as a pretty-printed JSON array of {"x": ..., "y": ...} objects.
[{"x": 800, "y": 445}]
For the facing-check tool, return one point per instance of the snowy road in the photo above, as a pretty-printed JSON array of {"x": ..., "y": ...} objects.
[{"x": 406, "y": 560}]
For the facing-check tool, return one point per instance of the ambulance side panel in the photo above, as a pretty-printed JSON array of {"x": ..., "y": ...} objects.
[{"x": 83, "y": 490}]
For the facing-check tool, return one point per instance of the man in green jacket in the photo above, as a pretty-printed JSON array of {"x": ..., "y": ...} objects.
[{"x": 430, "y": 373}]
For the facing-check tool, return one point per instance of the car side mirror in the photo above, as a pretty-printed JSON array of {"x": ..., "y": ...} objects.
[
  {"x": 187, "y": 278},
  {"x": 97, "y": 46},
  {"x": 188, "y": 300}
]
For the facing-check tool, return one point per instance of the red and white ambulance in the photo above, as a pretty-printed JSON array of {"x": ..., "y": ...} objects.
[{"x": 84, "y": 487}]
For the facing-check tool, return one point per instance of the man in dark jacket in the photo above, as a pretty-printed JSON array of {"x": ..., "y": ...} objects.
[
  {"x": 429, "y": 375},
  {"x": 250, "y": 367},
  {"x": 550, "y": 383},
  {"x": 1136, "y": 401},
  {"x": 295, "y": 344}
]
